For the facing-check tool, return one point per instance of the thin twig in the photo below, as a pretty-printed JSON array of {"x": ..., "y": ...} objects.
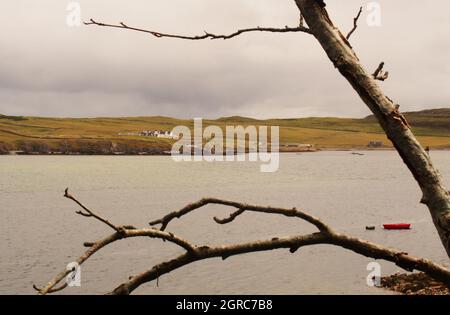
[
  {"x": 355, "y": 23},
  {"x": 88, "y": 212},
  {"x": 207, "y": 35}
]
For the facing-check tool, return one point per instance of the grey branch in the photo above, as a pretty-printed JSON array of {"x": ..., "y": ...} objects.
[
  {"x": 86, "y": 212},
  {"x": 355, "y": 23},
  {"x": 242, "y": 207},
  {"x": 395, "y": 126},
  {"x": 292, "y": 243},
  {"x": 194, "y": 253},
  {"x": 206, "y": 35}
]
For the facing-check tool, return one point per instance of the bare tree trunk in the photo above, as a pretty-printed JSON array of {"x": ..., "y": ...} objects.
[{"x": 340, "y": 52}]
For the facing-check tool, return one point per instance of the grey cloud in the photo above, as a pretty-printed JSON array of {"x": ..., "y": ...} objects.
[{"x": 49, "y": 69}]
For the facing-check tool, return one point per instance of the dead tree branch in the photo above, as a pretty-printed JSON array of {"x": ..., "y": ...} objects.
[
  {"x": 241, "y": 208},
  {"x": 122, "y": 232},
  {"x": 380, "y": 74},
  {"x": 207, "y": 35},
  {"x": 89, "y": 213},
  {"x": 394, "y": 124},
  {"x": 355, "y": 23},
  {"x": 193, "y": 253}
]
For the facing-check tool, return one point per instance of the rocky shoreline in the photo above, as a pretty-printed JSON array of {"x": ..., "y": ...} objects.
[{"x": 414, "y": 284}]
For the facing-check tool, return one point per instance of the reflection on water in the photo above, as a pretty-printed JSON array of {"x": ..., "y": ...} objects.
[{"x": 40, "y": 233}]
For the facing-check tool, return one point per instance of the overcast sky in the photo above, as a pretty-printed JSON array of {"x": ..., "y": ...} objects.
[{"x": 50, "y": 69}]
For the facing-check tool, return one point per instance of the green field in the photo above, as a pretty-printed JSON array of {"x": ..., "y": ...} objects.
[{"x": 99, "y": 135}]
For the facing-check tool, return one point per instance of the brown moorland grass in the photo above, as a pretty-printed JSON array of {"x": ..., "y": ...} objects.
[{"x": 431, "y": 126}]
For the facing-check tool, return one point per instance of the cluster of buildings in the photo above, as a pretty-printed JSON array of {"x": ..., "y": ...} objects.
[
  {"x": 158, "y": 134},
  {"x": 151, "y": 133}
]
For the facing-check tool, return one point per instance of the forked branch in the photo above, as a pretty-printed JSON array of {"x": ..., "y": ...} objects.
[
  {"x": 86, "y": 212},
  {"x": 241, "y": 209},
  {"x": 380, "y": 74},
  {"x": 192, "y": 253}
]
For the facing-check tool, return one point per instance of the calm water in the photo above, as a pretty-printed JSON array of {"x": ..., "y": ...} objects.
[{"x": 40, "y": 233}]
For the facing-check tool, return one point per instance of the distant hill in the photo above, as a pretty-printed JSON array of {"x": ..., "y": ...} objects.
[
  {"x": 16, "y": 118},
  {"x": 103, "y": 134},
  {"x": 429, "y": 121},
  {"x": 237, "y": 119},
  {"x": 437, "y": 112}
]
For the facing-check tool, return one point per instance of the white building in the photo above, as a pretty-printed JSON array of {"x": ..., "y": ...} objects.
[{"x": 158, "y": 134}]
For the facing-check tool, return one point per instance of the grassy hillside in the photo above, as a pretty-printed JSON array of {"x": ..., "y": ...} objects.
[
  {"x": 428, "y": 122},
  {"x": 97, "y": 135}
]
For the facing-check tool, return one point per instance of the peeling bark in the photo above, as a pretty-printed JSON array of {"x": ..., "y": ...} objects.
[{"x": 341, "y": 54}]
